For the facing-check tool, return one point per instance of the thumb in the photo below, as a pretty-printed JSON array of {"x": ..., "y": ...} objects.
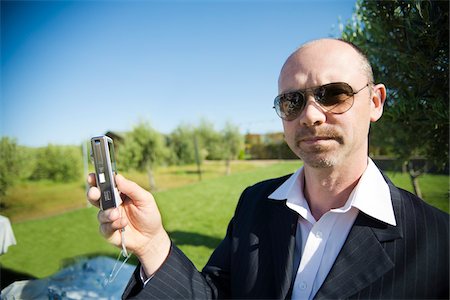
[{"x": 138, "y": 195}]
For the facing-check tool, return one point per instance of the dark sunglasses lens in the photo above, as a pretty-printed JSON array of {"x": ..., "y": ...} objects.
[
  {"x": 334, "y": 94},
  {"x": 289, "y": 105}
]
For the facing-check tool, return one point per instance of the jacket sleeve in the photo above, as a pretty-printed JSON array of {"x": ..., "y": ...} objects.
[{"x": 178, "y": 278}]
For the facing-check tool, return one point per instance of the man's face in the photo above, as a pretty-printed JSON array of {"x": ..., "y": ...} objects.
[{"x": 323, "y": 139}]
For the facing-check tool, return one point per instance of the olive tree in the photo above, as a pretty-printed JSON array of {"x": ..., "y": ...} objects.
[
  {"x": 9, "y": 164},
  {"x": 407, "y": 44},
  {"x": 143, "y": 149},
  {"x": 233, "y": 143}
]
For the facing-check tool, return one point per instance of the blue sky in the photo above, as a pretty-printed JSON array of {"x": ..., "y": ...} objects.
[{"x": 74, "y": 69}]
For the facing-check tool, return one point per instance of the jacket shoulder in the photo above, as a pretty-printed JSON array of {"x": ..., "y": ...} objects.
[
  {"x": 266, "y": 187},
  {"x": 253, "y": 194},
  {"x": 416, "y": 205}
]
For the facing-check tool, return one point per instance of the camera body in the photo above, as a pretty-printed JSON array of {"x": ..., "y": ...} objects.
[{"x": 105, "y": 170}]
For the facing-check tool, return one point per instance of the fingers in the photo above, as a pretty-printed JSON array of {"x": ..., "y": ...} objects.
[
  {"x": 93, "y": 194},
  {"x": 108, "y": 216},
  {"x": 91, "y": 179},
  {"x": 132, "y": 190},
  {"x": 110, "y": 221},
  {"x": 125, "y": 186}
]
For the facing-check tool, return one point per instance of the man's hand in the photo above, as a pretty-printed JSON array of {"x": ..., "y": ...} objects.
[{"x": 139, "y": 215}]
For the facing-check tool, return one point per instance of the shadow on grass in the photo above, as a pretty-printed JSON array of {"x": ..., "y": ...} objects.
[
  {"x": 193, "y": 239},
  {"x": 8, "y": 276},
  {"x": 73, "y": 260},
  {"x": 184, "y": 172},
  {"x": 178, "y": 237}
]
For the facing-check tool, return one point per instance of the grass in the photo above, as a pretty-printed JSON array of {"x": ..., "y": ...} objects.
[
  {"x": 47, "y": 244},
  {"x": 435, "y": 188},
  {"x": 185, "y": 175},
  {"x": 195, "y": 214},
  {"x": 40, "y": 199},
  {"x": 31, "y": 200}
]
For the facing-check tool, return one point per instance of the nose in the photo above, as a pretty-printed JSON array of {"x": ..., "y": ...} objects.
[{"x": 312, "y": 114}]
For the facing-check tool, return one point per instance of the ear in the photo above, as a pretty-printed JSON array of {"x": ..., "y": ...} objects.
[{"x": 378, "y": 98}]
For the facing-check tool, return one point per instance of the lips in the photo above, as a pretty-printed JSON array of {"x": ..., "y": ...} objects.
[{"x": 316, "y": 139}]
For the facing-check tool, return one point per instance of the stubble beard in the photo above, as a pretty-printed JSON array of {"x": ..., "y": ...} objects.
[
  {"x": 319, "y": 156},
  {"x": 316, "y": 160}
]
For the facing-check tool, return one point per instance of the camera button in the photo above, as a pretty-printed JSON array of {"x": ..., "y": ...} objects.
[{"x": 101, "y": 177}]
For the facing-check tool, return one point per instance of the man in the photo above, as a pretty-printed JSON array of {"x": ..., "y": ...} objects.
[{"x": 334, "y": 229}]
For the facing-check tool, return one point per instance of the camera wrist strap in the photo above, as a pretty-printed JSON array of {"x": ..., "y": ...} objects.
[{"x": 123, "y": 252}]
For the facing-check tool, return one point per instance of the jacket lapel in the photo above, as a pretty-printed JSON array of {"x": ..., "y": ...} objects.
[
  {"x": 282, "y": 228},
  {"x": 362, "y": 259}
]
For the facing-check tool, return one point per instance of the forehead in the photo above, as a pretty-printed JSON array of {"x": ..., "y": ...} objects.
[{"x": 320, "y": 63}]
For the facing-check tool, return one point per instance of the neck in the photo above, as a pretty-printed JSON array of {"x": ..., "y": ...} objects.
[{"x": 329, "y": 188}]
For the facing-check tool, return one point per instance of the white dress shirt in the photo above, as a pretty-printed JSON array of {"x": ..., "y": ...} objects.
[{"x": 318, "y": 242}]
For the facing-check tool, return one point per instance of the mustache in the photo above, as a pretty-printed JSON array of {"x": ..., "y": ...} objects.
[{"x": 311, "y": 133}]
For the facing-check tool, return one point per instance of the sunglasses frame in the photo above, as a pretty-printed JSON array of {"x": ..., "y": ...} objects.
[{"x": 315, "y": 90}]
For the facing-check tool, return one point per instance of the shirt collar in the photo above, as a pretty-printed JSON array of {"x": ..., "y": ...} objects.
[{"x": 371, "y": 195}]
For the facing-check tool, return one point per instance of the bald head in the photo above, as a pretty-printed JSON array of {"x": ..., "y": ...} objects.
[{"x": 325, "y": 55}]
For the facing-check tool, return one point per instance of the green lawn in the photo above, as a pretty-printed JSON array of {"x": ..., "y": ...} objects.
[
  {"x": 30, "y": 200},
  {"x": 435, "y": 188},
  {"x": 196, "y": 216}
]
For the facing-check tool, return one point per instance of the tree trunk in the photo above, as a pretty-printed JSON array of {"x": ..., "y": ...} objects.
[
  {"x": 197, "y": 159},
  {"x": 228, "y": 166},
  {"x": 151, "y": 179},
  {"x": 416, "y": 186},
  {"x": 414, "y": 176}
]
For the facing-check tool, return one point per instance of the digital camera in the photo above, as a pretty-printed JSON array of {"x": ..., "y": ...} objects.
[{"x": 105, "y": 169}]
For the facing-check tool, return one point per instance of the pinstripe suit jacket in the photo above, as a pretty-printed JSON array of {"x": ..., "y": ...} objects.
[{"x": 255, "y": 259}]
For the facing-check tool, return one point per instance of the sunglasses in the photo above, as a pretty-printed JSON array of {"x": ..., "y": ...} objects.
[{"x": 336, "y": 98}]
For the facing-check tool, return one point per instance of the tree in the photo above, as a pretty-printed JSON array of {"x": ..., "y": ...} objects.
[
  {"x": 233, "y": 143},
  {"x": 143, "y": 149},
  {"x": 9, "y": 164},
  {"x": 57, "y": 163},
  {"x": 407, "y": 44},
  {"x": 181, "y": 144},
  {"x": 209, "y": 141},
  {"x": 219, "y": 145}
]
